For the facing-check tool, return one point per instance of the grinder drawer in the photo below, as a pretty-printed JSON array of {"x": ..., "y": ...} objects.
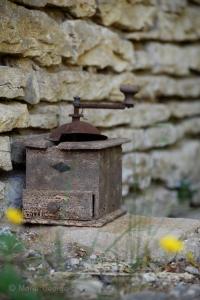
[{"x": 58, "y": 205}]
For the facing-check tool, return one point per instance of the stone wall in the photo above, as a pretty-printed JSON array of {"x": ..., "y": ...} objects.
[{"x": 51, "y": 50}]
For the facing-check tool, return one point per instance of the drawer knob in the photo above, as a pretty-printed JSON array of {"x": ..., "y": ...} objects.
[{"x": 53, "y": 207}]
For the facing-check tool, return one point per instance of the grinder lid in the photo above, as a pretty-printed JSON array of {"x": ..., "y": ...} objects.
[{"x": 76, "y": 131}]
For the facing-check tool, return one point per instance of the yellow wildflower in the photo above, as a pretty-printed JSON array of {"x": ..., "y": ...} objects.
[
  {"x": 171, "y": 244},
  {"x": 14, "y": 215}
]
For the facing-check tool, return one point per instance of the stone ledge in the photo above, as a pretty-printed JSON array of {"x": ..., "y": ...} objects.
[{"x": 116, "y": 239}]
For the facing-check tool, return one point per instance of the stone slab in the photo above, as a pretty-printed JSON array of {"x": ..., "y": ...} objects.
[{"x": 123, "y": 238}]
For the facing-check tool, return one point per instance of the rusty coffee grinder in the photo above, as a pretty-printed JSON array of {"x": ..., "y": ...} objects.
[{"x": 74, "y": 175}]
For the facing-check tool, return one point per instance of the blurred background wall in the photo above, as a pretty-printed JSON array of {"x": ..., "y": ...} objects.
[{"x": 52, "y": 50}]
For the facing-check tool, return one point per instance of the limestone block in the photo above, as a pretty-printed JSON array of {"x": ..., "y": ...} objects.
[
  {"x": 161, "y": 135},
  {"x": 175, "y": 6},
  {"x": 5, "y": 155},
  {"x": 158, "y": 86},
  {"x": 64, "y": 85},
  {"x": 190, "y": 126},
  {"x": 12, "y": 82},
  {"x": 44, "y": 116},
  {"x": 136, "y": 171},
  {"x": 154, "y": 201},
  {"x": 137, "y": 15},
  {"x": 94, "y": 45},
  {"x": 142, "y": 61},
  {"x": 32, "y": 92},
  {"x": 158, "y": 136},
  {"x": 31, "y": 33},
  {"x": 146, "y": 114},
  {"x": 126, "y": 15},
  {"x": 177, "y": 164},
  {"x": 78, "y": 8},
  {"x": 14, "y": 115},
  {"x": 171, "y": 27},
  {"x": 19, "y": 84},
  {"x": 180, "y": 109},
  {"x": 167, "y": 58},
  {"x": 23, "y": 63},
  {"x": 108, "y": 118}
]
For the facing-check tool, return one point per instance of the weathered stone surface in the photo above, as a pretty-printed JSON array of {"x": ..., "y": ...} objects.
[
  {"x": 182, "y": 109},
  {"x": 172, "y": 166},
  {"x": 78, "y": 8},
  {"x": 23, "y": 63},
  {"x": 175, "y": 6},
  {"x": 177, "y": 165},
  {"x": 164, "y": 86},
  {"x": 19, "y": 83},
  {"x": 44, "y": 116},
  {"x": 5, "y": 155},
  {"x": 147, "y": 114},
  {"x": 137, "y": 15},
  {"x": 160, "y": 136},
  {"x": 190, "y": 126},
  {"x": 14, "y": 184},
  {"x": 171, "y": 27},
  {"x": 136, "y": 171},
  {"x": 94, "y": 45},
  {"x": 14, "y": 115},
  {"x": 126, "y": 15},
  {"x": 141, "y": 139},
  {"x": 31, "y": 33},
  {"x": 115, "y": 236},
  {"x": 154, "y": 201},
  {"x": 2, "y": 197},
  {"x": 12, "y": 82},
  {"x": 167, "y": 58},
  {"x": 108, "y": 118},
  {"x": 2, "y": 190},
  {"x": 141, "y": 115},
  {"x": 64, "y": 85}
]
